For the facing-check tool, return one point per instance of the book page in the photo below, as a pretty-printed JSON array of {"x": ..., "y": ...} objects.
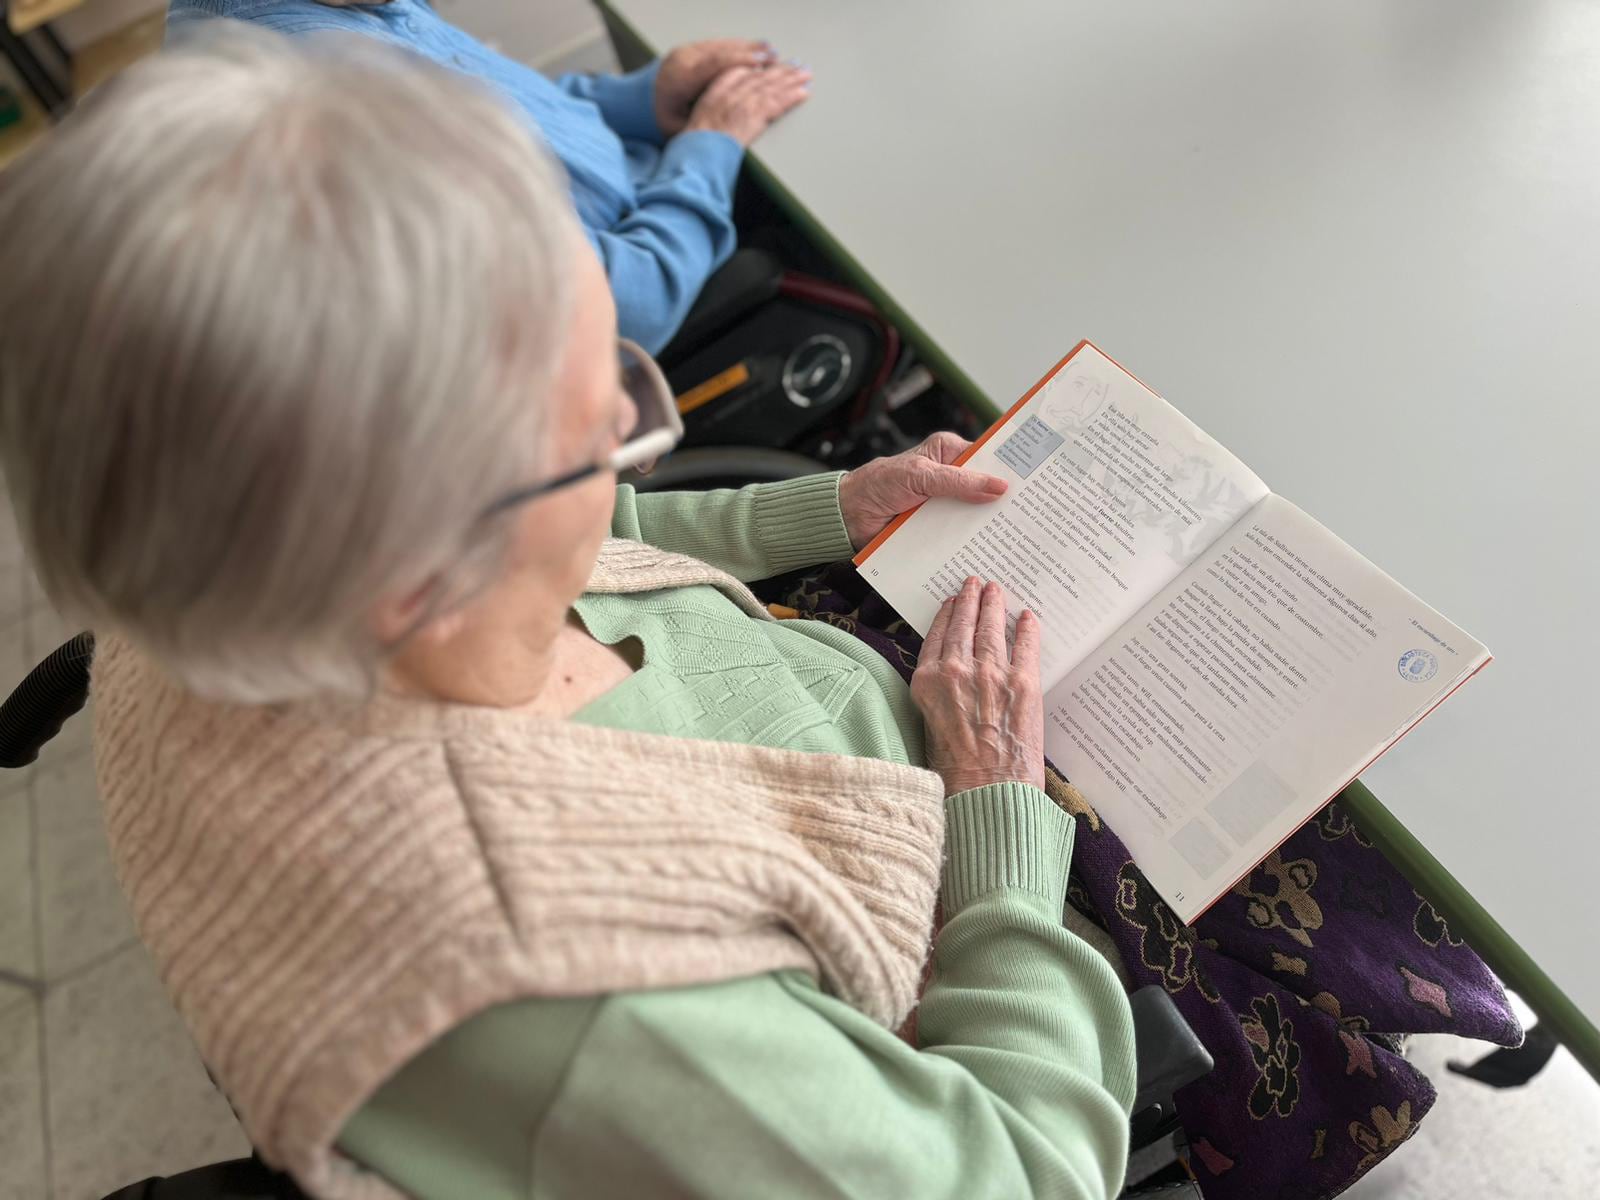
[
  {"x": 1268, "y": 675},
  {"x": 1113, "y": 492}
]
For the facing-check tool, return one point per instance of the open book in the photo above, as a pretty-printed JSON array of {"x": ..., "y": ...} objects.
[{"x": 1216, "y": 664}]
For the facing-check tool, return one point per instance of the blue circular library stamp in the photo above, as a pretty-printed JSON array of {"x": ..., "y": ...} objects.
[{"x": 1418, "y": 665}]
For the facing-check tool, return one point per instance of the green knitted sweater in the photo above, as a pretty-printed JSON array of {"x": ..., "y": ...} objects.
[{"x": 1022, "y": 1080}]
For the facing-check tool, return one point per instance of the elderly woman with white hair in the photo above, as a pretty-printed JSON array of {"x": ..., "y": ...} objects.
[{"x": 491, "y": 838}]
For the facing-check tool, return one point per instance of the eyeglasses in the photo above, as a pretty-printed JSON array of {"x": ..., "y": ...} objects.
[{"x": 657, "y": 431}]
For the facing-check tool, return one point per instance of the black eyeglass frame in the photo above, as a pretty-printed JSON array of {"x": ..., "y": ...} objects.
[{"x": 654, "y": 399}]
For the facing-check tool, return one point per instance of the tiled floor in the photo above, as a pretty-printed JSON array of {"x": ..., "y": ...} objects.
[
  {"x": 1477, "y": 1144},
  {"x": 99, "y": 1084}
]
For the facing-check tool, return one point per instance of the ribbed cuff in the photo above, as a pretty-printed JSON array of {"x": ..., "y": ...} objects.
[
  {"x": 628, "y": 103},
  {"x": 799, "y": 522},
  {"x": 709, "y": 152},
  {"x": 1006, "y": 835}
]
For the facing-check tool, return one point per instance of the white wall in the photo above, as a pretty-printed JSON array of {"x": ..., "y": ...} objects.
[{"x": 554, "y": 35}]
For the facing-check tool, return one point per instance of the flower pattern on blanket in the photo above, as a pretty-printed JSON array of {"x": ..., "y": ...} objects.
[{"x": 1271, "y": 1038}]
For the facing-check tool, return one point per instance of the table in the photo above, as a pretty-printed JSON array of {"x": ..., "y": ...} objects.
[{"x": 1355, "y": 242}]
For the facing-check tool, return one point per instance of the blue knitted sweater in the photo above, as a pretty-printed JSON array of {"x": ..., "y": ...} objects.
[{"x": 658, "y": 212}]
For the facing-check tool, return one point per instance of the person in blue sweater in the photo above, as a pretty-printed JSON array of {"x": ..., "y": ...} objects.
[{"x": 652, "y": 156}]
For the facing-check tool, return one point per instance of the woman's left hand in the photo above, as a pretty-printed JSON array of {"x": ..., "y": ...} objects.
[
  {"x": 689, "y": 70},
  {"x": 873, "y": 495}
]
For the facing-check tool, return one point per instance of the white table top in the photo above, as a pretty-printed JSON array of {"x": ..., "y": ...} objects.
[{"x": 1359, "y": 243}]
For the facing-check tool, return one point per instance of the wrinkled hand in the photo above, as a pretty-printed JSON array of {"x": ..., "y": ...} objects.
[
  {"x": 742, "y": 101},
  {"x": 687, "y": 71},
  {"x": 873, "y": 495},
  {"x": 981, "y": 705}
]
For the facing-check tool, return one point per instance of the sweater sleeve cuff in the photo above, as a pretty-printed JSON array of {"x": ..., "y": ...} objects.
[
  {"x": 628, "y": 103},
  {"x": 1006, "y": 835},
  {"x": 708, "y": 152},
  {"x": 799, "y": 523}
]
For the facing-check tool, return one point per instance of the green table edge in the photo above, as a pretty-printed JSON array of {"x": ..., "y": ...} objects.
[{"x": 1469, "y": 918}]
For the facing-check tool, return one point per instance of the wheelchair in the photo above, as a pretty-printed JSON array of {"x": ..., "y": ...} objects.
[
  {"x": 1169, "y": 1055},
  {"x": 780, "y": 372}
]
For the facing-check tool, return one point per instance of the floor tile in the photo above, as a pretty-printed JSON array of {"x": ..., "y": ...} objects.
[
  {"x": 82, "y": 914},
  {"x": 1542, "y": 1139},
  {"x": 76, "y": 740},
  {"x": 19, "y": 952},
  {"x": 22, "y": 1147},
  {"x": 128, "y": 1095},
  {"x": 45, "y": 628},
  {"x": 14, "y": 572},
  {"x": 14, "y": 594}
]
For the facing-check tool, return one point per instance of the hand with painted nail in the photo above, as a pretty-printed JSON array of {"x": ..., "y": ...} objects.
[
  {"x": 981, "y": 701},
  {"x": 873, "y": 495},
  {"x": 743, "y": 100},
  {"x": 689, "y": 70}
]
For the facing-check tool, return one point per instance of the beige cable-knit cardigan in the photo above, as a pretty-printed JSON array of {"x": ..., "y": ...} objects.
[{"x": 329, "y": 888}]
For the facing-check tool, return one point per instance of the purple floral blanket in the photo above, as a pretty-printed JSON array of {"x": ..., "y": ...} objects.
[{"x": 1302, "y": 982}]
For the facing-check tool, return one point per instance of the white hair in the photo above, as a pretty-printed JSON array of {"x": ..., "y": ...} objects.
[{"x": 278, "y": 320}]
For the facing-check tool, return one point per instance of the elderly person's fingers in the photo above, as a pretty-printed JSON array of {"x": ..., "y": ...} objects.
[
  {"x": 743, "y": 101},
  {"x": 686, "y": 72},
  {"x": 785, "y": 88},
  {"x": 963, "y": 621},
  {"x": 957, "y": 483},
  {"x": 774, "y": 90},
  {"x": 983, "y": 725},
  {"x": 872, "y": 495},
  {"x": 718, "y": 54},
  {"x": 731, "y": 83},
  {"x": 1025, "y": 644},
  {"x": 767, "y": 82},
  {"x": 942, "y": 447},
  {"x": 786, "y": 77},
  {"x": 989, "y": 638},
  {"x": 933, "y": 644}
]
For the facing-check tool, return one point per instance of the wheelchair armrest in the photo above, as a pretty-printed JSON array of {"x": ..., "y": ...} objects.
[
  {"x": 747, "y": 280},
  {"x": 1168, "y": 1052},
  {"x": 237, "y": 1179},
  {"x": 52, "y": 692}
]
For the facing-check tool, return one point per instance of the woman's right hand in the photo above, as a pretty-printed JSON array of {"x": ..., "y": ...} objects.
[
  {"x": 981, "y": 704},
  {"x": 743, "y": 101}
]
